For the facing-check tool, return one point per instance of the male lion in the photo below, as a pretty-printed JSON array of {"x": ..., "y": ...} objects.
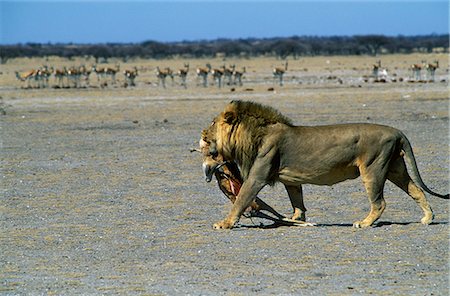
[
  {"x": 230, "y": 181},
  {"x": 268, "y": 148}
]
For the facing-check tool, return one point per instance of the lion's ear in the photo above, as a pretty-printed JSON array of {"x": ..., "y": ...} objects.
[{"x": 230, "y": 117}]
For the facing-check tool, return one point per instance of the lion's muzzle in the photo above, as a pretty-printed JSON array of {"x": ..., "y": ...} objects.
[
  {"x": 210, "y": 167},
  {"x": 208, "y": 170}
]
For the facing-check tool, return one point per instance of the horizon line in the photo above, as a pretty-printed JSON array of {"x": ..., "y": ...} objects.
[{"x": 222, "y": 39}]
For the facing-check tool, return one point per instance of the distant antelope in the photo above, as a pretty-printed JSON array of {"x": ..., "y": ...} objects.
[
  {"x": 183, "y": 74},
  {"x": 217, "y": 75},
  {"x": 59, "y": 76},
  {"x": 238, "y": 76},
  {"x": 111, "y": 72},
  {"x": 73, "y": 75},
  {"x": 28, "y": 76},
  {"x": 431, "y": 69},
  {"x": 170, "y": 74},
  {"x": 380, "y": 74},
  {"x": 203, "y": 73},
  {"x": 162, "y": 74},
  {"x": 376, "y": 68},
  {"x": 43, "y": 74},
  {"x": 416, "y": 70},
  {"x": 100, "y": 73},
  {"x": 228, "y": 73},
  {"x": 279, "y": 72},
  {"x": 84, "y": 73},
  {"x": 130, "y": 75}
]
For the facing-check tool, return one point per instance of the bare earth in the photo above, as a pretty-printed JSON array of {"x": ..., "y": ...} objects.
[{"x": 100, "y": 194}]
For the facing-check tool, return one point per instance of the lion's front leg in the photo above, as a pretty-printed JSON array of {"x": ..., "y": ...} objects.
[
  {"x": 250, "y": 188},
  {"x": 244, "y": 199},
  {"x": 230, "y": 185}
]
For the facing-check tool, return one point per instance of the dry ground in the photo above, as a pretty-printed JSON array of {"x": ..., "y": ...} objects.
[{"x": 100, "y": 194}]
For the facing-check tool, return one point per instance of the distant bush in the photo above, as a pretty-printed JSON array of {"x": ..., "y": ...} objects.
[{"x": 281, "y": 47}]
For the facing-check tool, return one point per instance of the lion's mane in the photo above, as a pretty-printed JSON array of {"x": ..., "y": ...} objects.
[{"x": 249, "y": 122}]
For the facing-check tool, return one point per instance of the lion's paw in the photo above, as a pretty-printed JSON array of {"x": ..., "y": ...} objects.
[
  {"x": 361, "y": 224},
  {"x": 224, "y": 224},
  {"x": 427, "y": 219},
  {"x": 299, "y": 217}
]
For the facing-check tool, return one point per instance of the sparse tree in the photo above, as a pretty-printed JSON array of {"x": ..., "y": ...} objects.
[{"x": 373, "y": 43}]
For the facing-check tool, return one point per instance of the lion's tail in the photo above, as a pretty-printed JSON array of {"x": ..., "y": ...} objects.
[{"x": 409, "y": 155}]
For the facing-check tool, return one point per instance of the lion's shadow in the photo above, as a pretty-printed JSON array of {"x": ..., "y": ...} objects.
[
  {"x": 275, "y": 225},
  {"x": 390, "y": 223}
]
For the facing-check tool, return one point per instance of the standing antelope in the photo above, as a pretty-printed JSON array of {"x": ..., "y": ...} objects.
[
  {"x": 170, "y": 74},
  {"x": 238, "y": 76},
  {"x": 111, "y": 72},
  {"x": 279, "y": 72},
  {"x": 380, "y": 74},
  {"x": 73, "y": 75},
  {"x": 59, "y": 76},
  {"x": 416, "y": 70},
  {"x": 228, "y": 73},
  {"x": 100, "y": 73},
  {"x": 217, "y": 75},
  {"x": 203, "y": 73},
  {"x": 27, "y": 76},
  {"x": 183, "y": 74},
  {"x": 431, "y": 69},
  {"x": 376, "y": 68},
  {"x": 130, "y": 75},
  {"x": 43, "y": 74},
  {"x": 85, "y": 73},
  {"x": 162, "y": 74}
]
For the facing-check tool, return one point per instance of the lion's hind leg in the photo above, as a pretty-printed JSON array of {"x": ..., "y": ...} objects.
[
  {"x": 398, "y": 175},
  {"x": 377, "y": 204},
  {"x": 373, "y": 178},
  {"x": 296, "y": 196}
]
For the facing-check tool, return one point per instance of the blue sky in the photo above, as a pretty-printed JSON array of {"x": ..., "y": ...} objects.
[{"x": 136, "y": 21}]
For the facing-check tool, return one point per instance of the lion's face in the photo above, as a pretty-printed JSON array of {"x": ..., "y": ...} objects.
[
  {"x": 214, "y": 143},
  {"x": 227, "y": 173},
  {"x": 211, "y": 157},
  {"x": 221, "y": 129}
]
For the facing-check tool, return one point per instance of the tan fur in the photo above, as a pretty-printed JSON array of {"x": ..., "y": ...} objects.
[
  {"x": 246, "y": 138},
  {"x": 268, "y": 149},
  {"x": 229, "y": 180}
]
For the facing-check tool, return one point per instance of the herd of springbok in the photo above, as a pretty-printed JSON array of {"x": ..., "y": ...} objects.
[
  {"x": 381, "y": 74},
  {"x": 74, "y": 77},
  {"x": 79, "y": 77}
]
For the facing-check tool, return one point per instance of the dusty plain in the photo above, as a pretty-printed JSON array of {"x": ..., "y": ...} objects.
[{"x": 101, "y": 196}]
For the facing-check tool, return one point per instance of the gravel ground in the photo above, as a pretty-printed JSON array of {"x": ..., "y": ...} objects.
[{"x": 100, "y": 195}]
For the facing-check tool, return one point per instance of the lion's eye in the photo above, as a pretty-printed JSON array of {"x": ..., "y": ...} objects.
[{"x": 213, "y": 152}]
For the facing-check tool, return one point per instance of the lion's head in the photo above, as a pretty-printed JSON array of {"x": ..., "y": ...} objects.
[{"x": 236, "y": 135}]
